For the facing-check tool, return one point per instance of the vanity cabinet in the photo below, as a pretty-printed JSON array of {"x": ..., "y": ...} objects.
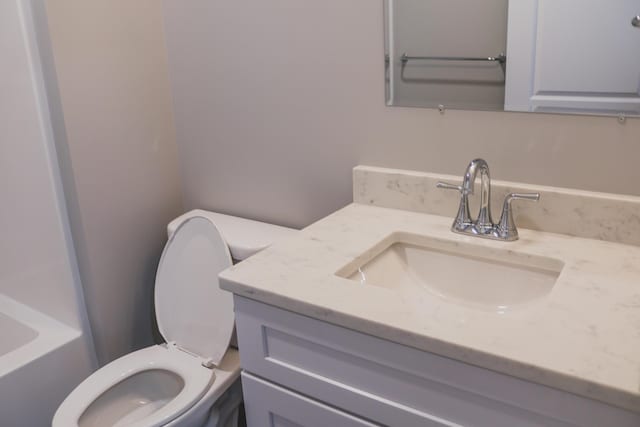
[
  {"x": 276, "y": 406},
  {"x": 300, "y": 371}
]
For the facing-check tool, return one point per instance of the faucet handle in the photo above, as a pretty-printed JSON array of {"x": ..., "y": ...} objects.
[
  {"x": 447, "y": 186},
  {"x": 507, "y": 227},
  {"x": 522, "y": 196},
  {"x": 463, "y": 219}
]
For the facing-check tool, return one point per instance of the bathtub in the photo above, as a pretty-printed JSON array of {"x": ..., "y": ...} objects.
[
  {"x": 14, "y": 334},
  {"x": 40, "y": 363}
]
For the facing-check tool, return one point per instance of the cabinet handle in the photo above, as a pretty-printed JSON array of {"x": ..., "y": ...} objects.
[{"x": 636, "y": 21}]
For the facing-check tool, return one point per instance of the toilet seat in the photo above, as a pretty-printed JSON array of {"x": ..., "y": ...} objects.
[
  {"x": 197, "y": 381},
  {"x": 194, "y": 316},
  {"x": 191, "y": 309}
]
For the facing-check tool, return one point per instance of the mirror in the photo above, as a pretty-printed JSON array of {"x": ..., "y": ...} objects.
[{"x": 560, "y": 56}]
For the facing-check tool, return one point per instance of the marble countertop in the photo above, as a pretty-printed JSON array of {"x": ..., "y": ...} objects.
[{"x": 583, "y": 337}]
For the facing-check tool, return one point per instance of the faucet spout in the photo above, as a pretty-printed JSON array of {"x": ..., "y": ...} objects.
[
  {"x": 472, "y": 172},
  {"x": 484, "y": 222}
]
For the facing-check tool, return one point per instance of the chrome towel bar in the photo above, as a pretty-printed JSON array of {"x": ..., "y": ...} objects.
[{"x": 500, "y": 58}]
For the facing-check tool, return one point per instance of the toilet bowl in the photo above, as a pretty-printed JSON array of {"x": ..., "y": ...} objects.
[{"x": 192, "y": 379}]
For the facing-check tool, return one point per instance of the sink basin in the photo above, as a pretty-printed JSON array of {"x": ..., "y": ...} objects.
[{"x": 486, "y": 278}]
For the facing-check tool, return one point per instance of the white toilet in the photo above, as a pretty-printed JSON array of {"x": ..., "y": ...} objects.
[{"x": 192, "y": 380}]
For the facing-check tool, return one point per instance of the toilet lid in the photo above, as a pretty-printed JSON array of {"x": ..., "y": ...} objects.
[{"x": 191, "y": 309}]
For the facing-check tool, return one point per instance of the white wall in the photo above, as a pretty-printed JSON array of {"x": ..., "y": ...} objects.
[
  {"x": 38, "y": 266},
  {"x": 114, "y": 127},
  {"x": 275, "y": 101},
  {"x": 37, "y": 263}
]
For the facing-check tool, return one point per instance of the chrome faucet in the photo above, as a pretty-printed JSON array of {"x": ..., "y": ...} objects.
[
  {"x": 484, "y": 222},
  {"x": 484, "y": 226}
]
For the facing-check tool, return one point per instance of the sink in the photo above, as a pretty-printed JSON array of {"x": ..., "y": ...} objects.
[{"x": 458, "y": 272}]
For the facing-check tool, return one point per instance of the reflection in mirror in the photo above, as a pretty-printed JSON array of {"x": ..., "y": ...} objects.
[
  {"x": 441, "y": 51},
  {"x": 572, "y": 56}
]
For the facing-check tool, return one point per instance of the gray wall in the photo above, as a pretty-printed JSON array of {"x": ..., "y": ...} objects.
[
  {"x": 115, "y": 136},
  {"x": 37, "y": 260},
  {"x": 275, "y": 102}
]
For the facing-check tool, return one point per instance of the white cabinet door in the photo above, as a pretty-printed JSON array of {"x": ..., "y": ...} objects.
[
  {"x": 269, "y": 405},
  {"x": 388, "y": 383},
  {"x": 573, "y": 56}
]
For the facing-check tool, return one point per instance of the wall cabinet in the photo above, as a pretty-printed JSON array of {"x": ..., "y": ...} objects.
[
  {"x": 573, "y": 56},
  {"x": 299, "y": 371}
]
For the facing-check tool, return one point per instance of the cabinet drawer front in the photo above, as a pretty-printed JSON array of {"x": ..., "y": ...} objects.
[
  {"x": 273, "y": 406},
  {"x": 397, "y": 385}
]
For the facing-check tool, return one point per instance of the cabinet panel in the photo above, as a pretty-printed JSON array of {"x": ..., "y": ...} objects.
[
  {"x": 273, "y": 406},
  {"x": 559, "y": 61},
  {"x": 397, "y": 385},
  {"x": 573, "y": 57}
]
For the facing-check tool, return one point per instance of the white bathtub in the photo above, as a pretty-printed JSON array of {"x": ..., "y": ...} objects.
[
  {"x": 14, "y": 334},
  {"x": 26, "y": 335},
  {"x": 39, "y": 364}
]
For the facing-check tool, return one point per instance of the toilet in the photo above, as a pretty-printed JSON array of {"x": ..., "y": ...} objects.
[{"x": 192, "y": 380}]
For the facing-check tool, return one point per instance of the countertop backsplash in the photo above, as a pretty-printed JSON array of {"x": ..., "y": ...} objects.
[{"x": 602, "y": 216}]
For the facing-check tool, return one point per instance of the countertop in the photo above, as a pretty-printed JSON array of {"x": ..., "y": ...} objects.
[{"x": 583, "y": 337}]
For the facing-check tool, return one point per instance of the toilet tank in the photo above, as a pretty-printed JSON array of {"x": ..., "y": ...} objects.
[{"x": 244, "y": 237}]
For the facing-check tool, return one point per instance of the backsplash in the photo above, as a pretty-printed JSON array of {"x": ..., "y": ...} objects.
[{"x": 602, "y": 216}]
